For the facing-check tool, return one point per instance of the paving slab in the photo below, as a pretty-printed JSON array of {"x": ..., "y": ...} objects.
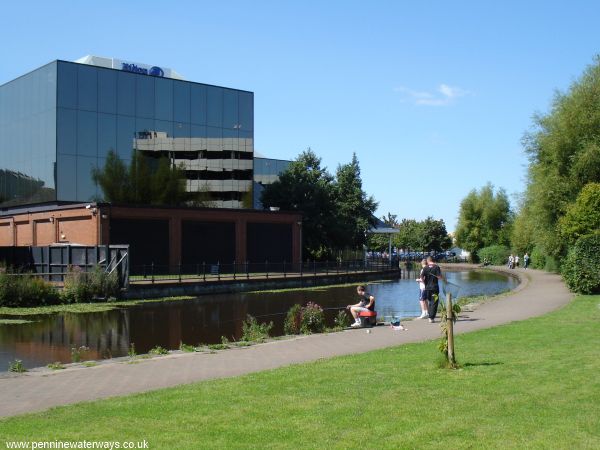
[{"x": 537, "y": 294}]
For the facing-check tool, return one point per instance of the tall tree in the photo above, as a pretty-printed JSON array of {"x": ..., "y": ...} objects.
[
  {"x": 307, "y": 187},
  {"x": 564, "y": 154},
  {"x": 484, "y": 219},
  {"x": 336, "y": 211},
  {"x": 434, "y": 236},
  {"x": 354, "y": 208},
  {"x": 583, "y": 216}
]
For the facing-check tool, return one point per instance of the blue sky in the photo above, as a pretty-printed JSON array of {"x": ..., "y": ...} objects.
[{"x": 434, "y": 97}]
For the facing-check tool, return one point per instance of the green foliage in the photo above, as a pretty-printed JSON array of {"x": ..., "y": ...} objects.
[
  {"x": 186, "y": 347},
  {"x": 16, "y": 366},
  {"x": 26, "y": 290},
  {"x": 429, "y": 235},
  {"x": 494, "y": 254},
  {"x": 353, "y": 207},
  {"x": 158, "y": 351},
  {"x": 56, "y": 365},
  {"x": 336, "y": 212},
  {"x": 342, "y": 319},
  {"x": 291, "y": 325},
  {"x": 583, "y": 216},
  {"x": 581, "y": 268},
  {"x": 312, "y": 319},
  {"x": 484, "y": 219},
  {"x": 552, "y": 264},
  {"x": 78, "y": 352},
  {"x": 537, "y": 258},
  {"x": 147, "y": 181},
  {"x": 254, "y": 331},
  {"x": 83, "y": 287},
  {"x": 564, "y": 153}
]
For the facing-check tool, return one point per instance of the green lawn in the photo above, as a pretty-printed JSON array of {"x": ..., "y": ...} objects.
[{"x": 530, "y": 384}]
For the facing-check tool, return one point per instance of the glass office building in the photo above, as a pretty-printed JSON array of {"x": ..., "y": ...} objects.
[
  {"x": 266, "y": 171},
  {"x": 58, "y": 123}
]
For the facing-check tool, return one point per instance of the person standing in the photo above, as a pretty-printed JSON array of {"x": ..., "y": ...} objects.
[
  {"x": 422, "y": 296},
  {"x": 517, "y": 261},
  {"x": 431, "y": 274},
  {"x": 525, "y": 260}
]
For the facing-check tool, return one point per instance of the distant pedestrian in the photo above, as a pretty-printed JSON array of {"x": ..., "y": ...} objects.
[
  {"x": 517, "y": 261},
  {"x": 526, "y": 260},
  {"x": 431, "y": 274},
  {"x": 511, "y": 261},
  {"x": 422, "y": 295}
]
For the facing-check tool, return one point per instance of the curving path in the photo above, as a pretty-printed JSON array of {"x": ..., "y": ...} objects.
[{"x": 538, "y": 293}]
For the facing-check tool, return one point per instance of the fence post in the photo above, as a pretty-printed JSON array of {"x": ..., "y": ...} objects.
[
  {"x": 219, "y": 270},
  {"x": 284, "y": 268},
  {"x": 152, "y": 272},
  {"x": 203, "y": 270},
  {"x": 315, "y": 267},
  {"x": 198, "y": 270},
  {"x": 179, "y": 271},
  {"x": 301, "y": 267},
  {"x": 234, "y": 269},
  {"x": 144, "y": 270},
  {"x": 267, "y": 268},
  {"x": 247, "y": 271}
]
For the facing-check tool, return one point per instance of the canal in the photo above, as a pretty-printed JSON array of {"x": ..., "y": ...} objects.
[{"x": 204, "y": 320}]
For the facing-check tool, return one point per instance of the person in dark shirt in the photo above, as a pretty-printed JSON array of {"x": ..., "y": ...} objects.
[
  {"x": 366, "y": 303},
  {"x": 430, "y": 276}
]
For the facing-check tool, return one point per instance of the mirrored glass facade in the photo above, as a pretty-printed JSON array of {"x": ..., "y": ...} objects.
[
  {"x": 28, "y": 138},
  {"x": 59, "y": 122},
  {"x": 266, "y": 171}
]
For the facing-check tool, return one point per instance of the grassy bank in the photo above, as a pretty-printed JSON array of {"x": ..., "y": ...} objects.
[
  {"x": 530, "y": 384},
  {"x": 83, "y": 307}
]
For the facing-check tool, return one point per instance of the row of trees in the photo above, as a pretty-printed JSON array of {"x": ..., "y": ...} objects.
[
  {"x": 337, "y": 211},
  {"x": 559, "y": 212},
  {"x": 427, "y": 235}
]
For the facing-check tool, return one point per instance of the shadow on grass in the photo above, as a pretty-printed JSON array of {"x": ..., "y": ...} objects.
[{"x": 485, "y": 363}]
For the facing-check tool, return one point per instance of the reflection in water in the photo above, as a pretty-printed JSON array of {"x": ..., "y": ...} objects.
[{"x": 206, "y": 319}]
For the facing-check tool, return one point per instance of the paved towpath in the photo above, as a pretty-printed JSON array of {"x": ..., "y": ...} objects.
[{"x": 538, "y": 293}]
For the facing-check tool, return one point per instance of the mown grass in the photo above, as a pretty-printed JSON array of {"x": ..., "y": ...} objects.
[{"x": 530, "y": 384}]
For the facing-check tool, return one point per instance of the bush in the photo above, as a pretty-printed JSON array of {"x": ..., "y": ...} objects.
[
  {"x": 26, "y": 290},
  {"x": 83, "y": 287},
  {"x": 581, "y": 267},
  {"x": 537, "y": 258},
  {"x": 292, "y": 320},
  {"x": 342, "y": 320},
  {"x": 496, "y": 255},
  {"x": 254, "y": 331},
  {"x": 312, "y": 319}
]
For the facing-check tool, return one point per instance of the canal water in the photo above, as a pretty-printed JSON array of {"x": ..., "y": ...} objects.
[{"x": 49, "y": 338}]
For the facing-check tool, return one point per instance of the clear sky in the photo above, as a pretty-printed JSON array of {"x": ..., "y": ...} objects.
[{"x": 433, "y": 96}]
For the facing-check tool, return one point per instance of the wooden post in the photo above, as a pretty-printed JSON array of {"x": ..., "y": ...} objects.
[{"x": 450, "y": 328}]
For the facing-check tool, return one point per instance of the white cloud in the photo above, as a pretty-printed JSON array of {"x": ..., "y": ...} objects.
[{"x": 444, "y": 95}]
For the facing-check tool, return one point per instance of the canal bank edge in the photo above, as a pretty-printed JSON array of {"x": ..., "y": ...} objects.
[
  {"x": 469, "y": 307},
  {"x": 175, "y": 289}
]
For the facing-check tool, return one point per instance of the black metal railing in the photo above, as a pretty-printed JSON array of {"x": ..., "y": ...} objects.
[{"x": 216, "y": 271}]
